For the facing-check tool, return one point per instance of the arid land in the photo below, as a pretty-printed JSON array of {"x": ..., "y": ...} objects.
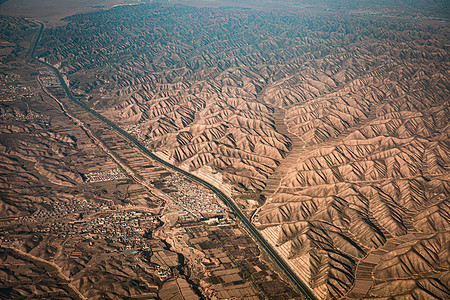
[
  {"x": 327, "y": 126},
  {"x": 87, "y": 216}
]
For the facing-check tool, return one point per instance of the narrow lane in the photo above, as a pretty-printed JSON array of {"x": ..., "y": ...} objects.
[{"x": 276, "y": 258}]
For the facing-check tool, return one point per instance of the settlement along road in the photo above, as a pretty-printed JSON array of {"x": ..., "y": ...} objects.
[{"x": 274, "y": 256}]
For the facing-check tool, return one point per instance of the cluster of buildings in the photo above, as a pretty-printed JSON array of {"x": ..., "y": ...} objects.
[
  {"x": 135, "y": 130},
  {"x": 125, "y": 229},
  {"x": 108, "y": 175},
  {"x": 192, "y": 198},
  {"x": 19, "y": 115},
  {"x": 60, "y": 210},
  {"x": 11, "y": 89},
  {"x": 48, "y": 78}
]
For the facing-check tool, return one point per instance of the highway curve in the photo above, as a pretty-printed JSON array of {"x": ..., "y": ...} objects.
[{"x": 276, "y": 258}]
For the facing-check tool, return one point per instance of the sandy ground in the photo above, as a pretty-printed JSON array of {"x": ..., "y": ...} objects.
[{"x": 52, "y": 11}]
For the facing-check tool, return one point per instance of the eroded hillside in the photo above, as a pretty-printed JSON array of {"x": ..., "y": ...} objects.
[{"x": 339, "y": 120}]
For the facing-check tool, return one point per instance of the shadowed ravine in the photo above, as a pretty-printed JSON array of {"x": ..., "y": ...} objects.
[
  {"x": 229, "y": 202},
  {"x": 296, "y": 151}
]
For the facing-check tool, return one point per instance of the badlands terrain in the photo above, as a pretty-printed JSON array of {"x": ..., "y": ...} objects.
[
  {"x": 327, "y": 124},
  {"x": 85, "y": 215}
]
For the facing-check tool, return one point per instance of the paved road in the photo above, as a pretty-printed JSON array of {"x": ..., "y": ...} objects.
[
  {"x": 35, "y": 42},
  {"x": 276, "y": 258}
]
